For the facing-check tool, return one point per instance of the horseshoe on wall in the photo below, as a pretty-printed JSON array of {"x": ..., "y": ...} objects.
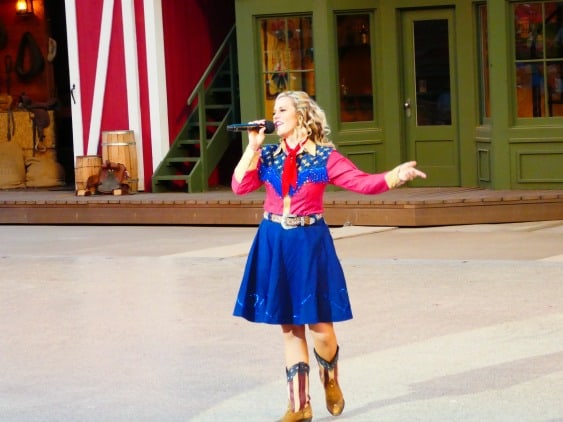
[{"x": 29, "y": 46}]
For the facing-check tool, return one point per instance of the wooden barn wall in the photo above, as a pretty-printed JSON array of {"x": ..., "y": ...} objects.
[
  {"x": 40, "y": 87},
  {"x": 114, "y": 115},
  {"x": 143, "y": 91},
  {"x": 193, "y": 30}
]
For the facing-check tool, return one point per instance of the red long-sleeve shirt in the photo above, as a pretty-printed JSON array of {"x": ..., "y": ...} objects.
[{"x": 331, "y": 167}]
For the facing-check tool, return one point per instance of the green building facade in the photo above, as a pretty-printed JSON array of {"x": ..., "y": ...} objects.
[{"x": 472, "y": 90}]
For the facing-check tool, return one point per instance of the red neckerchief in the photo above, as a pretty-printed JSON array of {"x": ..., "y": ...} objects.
[{"x": 289, "y": 173}]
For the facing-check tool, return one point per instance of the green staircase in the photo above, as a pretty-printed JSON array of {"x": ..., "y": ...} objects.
[{"x": 203, "y": 140}]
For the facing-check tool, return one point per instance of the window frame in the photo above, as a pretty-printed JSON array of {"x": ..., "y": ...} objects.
[
  {"x": 483, "y": 64},
  {"x": 372, "y": 19},
  {"x": 543, "y": 120},
  {"x": 266, "y": 99}
]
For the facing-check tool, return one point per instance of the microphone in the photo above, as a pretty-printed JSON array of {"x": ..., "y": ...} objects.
[{"x": 241, "y": 127}]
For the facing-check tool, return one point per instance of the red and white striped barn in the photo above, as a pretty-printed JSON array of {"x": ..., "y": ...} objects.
[{"x": 133, "y": 64}]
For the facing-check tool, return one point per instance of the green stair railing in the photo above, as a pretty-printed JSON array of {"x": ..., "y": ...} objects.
[{"x": 203, "y": 140}]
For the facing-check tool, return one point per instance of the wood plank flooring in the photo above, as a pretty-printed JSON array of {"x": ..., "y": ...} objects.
[{"x": 404, "y": 207}]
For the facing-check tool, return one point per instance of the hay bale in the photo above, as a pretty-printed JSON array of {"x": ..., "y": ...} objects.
[
  {"x": 43, "y": 172},
  {"x": 12, "y": 166}
]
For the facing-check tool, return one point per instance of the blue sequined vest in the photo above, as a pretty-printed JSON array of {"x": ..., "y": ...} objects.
[{"x": 310, "y": 168}]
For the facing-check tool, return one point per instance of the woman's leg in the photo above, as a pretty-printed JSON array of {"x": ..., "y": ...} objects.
[
  {"x": 295, "y": 344},
  {"x": 297, "y": 372},
  {"x": 324, "y": 339},
  {"x": 326, "y": 353}
]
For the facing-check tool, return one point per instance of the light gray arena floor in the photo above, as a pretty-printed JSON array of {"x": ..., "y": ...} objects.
[{"x": 102, "y": 323}]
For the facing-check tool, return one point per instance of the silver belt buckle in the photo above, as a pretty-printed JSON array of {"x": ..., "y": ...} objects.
[{"x": 284, "y": 222}]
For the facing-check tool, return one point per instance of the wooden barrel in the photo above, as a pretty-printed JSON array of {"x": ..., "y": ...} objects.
[
  {"x": 86, "y": 166},
  {"x": 119, "y": 147}
]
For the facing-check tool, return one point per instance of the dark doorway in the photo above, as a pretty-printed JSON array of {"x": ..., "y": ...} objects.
[{"x": 56, "y": 25}]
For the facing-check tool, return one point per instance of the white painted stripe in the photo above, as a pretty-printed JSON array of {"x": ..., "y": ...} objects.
[
  {"x": 156, "y": 71},
  {"x": 472, "y": 366},
  {"x": 101, "y": 75},
  {"x": 132, "y": 79},
  {"x": 74, "y": 73},
  {"x": 241, "y": 249},
  {"x": 228, "y": 251},
  {"x": 555, "y": 258}
]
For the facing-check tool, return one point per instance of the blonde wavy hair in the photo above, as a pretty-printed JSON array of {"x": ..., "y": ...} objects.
[{"x": 310, "y": 117}]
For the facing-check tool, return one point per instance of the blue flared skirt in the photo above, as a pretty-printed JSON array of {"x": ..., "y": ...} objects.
[{"x": 293, "y": 276}]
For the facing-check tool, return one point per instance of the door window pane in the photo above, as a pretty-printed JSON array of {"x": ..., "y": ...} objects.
[
  {"x": 355, "y": 67},
  {"x": 529, "y": 82},
  {"x": 484, "y": 61},
  {"x": 287, "y": 56},
  {"x": 538, "y": 45},
  {"x": 432, "y": 72},
  {"x": 528, "y": 28},
  {"x": 555, "y": 88}
]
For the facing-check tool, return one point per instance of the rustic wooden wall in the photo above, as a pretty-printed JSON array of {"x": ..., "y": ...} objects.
[{"x": 41, "y": 87}]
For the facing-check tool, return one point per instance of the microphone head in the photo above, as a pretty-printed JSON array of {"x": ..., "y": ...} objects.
[{"x": 270, "y": 126}]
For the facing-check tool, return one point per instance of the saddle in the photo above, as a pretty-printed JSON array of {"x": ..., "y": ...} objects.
[
  {"x": 112, "y": 179},
  {"x": 40, "y": 118}
]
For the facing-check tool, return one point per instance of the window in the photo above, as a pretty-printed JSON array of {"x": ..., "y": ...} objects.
[
  {"x": 355, "y": 67},
  {"x": 432, "y": 72},
  {"x": 287, "y": 56},
  {"x": 483, "y": 42},
  {"x": 538, "y": 44}
]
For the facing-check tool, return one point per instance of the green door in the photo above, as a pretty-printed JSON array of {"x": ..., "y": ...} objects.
[{"x": 430, "y": 95}]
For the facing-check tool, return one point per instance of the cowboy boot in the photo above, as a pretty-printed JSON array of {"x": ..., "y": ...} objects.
[
  {"x": 299, "y": 408},
  {"x": 329, "y": 377}
]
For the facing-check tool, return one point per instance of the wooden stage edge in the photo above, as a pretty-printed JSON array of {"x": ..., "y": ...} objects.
[{"x": 404, "y": 207}]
